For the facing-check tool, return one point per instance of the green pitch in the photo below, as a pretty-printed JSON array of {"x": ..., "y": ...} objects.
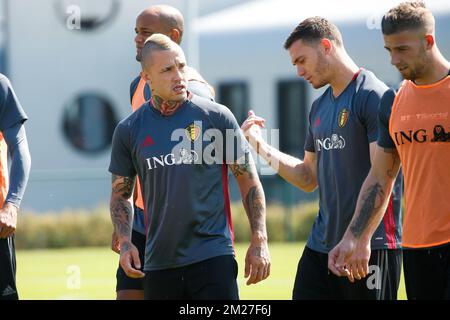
[{"x": 89, "y": 273}]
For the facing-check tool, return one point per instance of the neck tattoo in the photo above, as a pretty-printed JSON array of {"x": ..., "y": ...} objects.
[{"x": 167, "y": 107}]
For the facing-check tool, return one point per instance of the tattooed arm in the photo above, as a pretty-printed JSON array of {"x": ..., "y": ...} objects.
[
  {"x": 257, "y": 261},
  {"x": 121, "y": 208},
  {"x": 351, "y": 256},
  {"x": 302, "y": 174}
]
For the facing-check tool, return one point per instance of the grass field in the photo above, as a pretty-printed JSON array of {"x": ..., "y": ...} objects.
[{"x": 89, "y": 273}]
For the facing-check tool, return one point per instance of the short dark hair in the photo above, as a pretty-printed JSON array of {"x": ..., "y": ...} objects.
[
  {"x": 410, "y": 15},
  {"x": 314, "y": 29}
]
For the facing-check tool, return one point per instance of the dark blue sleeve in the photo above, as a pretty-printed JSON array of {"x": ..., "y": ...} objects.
[
  {"x": 121, "y": 158},
  {"x": 16, "y": 139},
  {"x": 11, "y": 111},
  {"x": 200, "y": 89},
  {"x": 368, "y": 114},
  {"x": 309, "y": 141},
  {"x": 384, "y": 114},
  {"x": 235, "y": 145}
]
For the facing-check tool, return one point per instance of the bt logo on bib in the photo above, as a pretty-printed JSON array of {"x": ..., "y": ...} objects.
[{"x": 335, "y": 142}]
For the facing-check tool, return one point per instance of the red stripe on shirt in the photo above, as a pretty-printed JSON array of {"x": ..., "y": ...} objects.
[
  {"x": 389, "y": 225},
  {"x": 226, "y": 196},
  {"x": 356, "y": 74},
  {"x": 392, "y": 222}
]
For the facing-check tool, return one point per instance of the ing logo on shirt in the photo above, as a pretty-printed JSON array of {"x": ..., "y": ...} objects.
[
  {"x": 440, "y": 135},
  {"x": 333, "y": 143},
  {"x": 421, "y": 136},
  {"x": 193, "y": 132},
  {"x": 183, "y": 156},
  {"x": 343, "y": 117}
]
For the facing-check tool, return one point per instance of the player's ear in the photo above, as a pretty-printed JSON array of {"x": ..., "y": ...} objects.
[
  {"x": 175, "y": 35},
  {"x": 327, "y": 45},
  {"x": 146, "y": 77},
  {"x": 429, "y": 38}
]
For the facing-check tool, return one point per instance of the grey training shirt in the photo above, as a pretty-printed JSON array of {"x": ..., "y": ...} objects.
[{"x": 182, "y": 165}]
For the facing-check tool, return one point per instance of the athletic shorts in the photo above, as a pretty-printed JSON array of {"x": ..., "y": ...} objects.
[
  {"x": 8, "y": 290},
  {"x": 212, "y": 279},
  {"x": 123, "y": 281},
  {"x": 427, "y": 273},
  {"x": 315, "y": 282}
]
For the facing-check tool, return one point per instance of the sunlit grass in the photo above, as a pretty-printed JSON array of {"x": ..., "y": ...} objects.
[{"x": 53, "y": 274}]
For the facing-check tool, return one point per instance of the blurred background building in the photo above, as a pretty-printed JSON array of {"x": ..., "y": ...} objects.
[{"x": 71, "y": 63}]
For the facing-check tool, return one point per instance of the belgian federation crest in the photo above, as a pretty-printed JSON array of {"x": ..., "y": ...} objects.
[
  {"x": 193, "y": 132},
  {"x": 343, "y": 118}
]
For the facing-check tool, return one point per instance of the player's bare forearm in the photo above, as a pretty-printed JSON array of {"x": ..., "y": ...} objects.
[
  {"x": 252, "y": 196},
  {"x": 121, "y": 206},
  {"x": 295, "y": 171},
  {"x": 302, "y": 174},
  {"x": 257, "y": 259},
  {"x": 369, "y": 210},
  {"x": 374, "y": 195}
]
